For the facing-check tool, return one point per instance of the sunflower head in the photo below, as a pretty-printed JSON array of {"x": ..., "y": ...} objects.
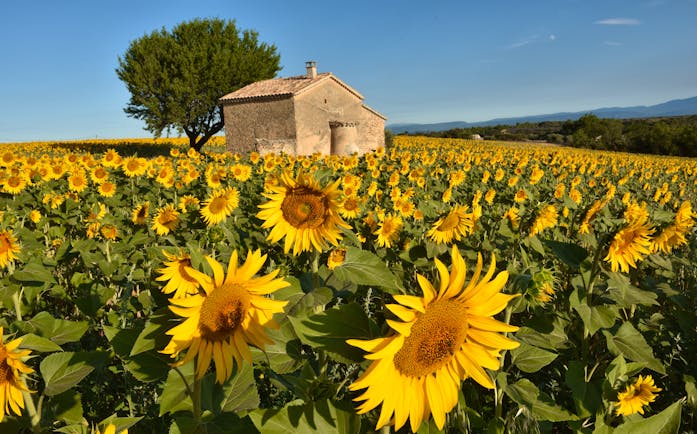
[
  {"x": 11, "y": 379},
  {"x": 439, "y": 339},
  {"x": 635, "y": 396},
  {"x": 230, "y": 313},
  {"x": 303, "y": 212},
  {"x": 453, "y": 226},
  {"x": 336, "y": 258},
  {"x": 8, "y": 248}
]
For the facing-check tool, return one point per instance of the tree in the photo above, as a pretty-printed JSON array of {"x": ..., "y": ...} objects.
[{"x": 175, "y": 78}]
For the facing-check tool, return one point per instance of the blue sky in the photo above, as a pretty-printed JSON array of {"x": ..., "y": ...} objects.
[{"x": 414, "y": 61}]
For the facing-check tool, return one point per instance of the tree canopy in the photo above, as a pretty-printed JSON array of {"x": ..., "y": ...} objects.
[{"x": 176, "y": 77}]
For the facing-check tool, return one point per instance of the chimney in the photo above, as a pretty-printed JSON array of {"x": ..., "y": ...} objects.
[{"x": 311, "y": 67}]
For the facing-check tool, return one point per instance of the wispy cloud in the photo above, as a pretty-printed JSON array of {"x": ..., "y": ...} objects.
[
  {"x": 524, "y": 42},
  {"x": 613, "y": 43},
  {"x": 619, "y": 22}
]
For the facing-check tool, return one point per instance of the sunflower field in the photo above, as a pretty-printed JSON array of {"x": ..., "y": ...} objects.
[{"x": 439, "y": 285}]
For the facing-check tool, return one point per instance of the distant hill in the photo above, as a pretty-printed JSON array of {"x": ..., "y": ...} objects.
[{"x": 676, "y": 107}]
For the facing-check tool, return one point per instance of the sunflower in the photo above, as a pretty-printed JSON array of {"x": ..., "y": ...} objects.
[
  {"x": 35, "y": 216},
  {"x": 178, "y": 276},
  {"x": 99, "y": 174},
  {"x": 629, "y": 245},
  {"x": 109, "y": 232},
  {"x": 584, "y": 228},
  {"x": 520, "y": 196},
  {"x": 546, "y": 218},
  {"x": 8, "y": 248},
  {"x": 303, "y": 212},
  {"x": 229, "y": 314},
  {"x": 14, "y": 184},
  {"x": 166, "y": 219},
  {"x": 7, "y": 159},
  {"x": 445, "y": 336},
  {"x": 389, "y": 227},
  {"x": 11, "y": 382},
  {"x": 107, "y": 189},
  {"x": 336, "y": 258},
  {"x": 219, "y": 205},
  {"x": 111, "y": 158},
  {"x": 187, "y": 202},
  {"x": 134, "y": 166},
  {"x": 241, "y": 172},
  {"x": 350, "y": 207},
  {"x": 636, "y": 396},
  {"x": 457, "y": 224},
  {"x": 140, "y": 214},
  {"x": 77, "y": 181},
  {"x": 513, "y": 216}
]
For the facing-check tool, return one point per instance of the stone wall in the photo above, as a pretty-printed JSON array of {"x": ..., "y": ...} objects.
[
  {"x": 315, "y": 108},
  {"x": 371, "y": 132},
  {"x": 250, "y": 125}
]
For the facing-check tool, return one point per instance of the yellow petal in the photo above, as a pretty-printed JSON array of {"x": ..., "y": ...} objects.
[
  {"x": 411, "y": 301},
  {"x": 435, "y": 400},
  {"x": 218, "y": 273},
  {"x": 489, "y": 323}
]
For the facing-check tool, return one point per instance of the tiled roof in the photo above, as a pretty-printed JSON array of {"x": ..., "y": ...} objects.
[{"x": 282, "y": 87}]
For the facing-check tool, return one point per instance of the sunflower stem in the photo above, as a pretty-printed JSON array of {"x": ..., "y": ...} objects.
[
  {"x": 196, "y": 398},
  {"x": 16, "y": 300},
  {"x": 34, "y": 416},
  {"x": 315, "y": 269}
]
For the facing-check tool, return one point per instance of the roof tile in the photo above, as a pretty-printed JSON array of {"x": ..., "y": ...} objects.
[{"x": 275, "y": 87}]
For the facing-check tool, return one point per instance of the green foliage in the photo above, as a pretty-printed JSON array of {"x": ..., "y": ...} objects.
[
  {"x": 661, "y": 136},
  {"x": 176, "y": 77}
]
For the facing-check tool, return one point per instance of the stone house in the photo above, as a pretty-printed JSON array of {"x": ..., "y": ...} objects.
[{"x": 301, "y": 115}]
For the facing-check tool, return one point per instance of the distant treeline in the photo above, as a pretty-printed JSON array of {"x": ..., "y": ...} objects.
[{"x": 664, "y": 136}]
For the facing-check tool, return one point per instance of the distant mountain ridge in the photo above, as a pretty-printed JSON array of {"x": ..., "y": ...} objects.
[{"x": 676, "y": 107}]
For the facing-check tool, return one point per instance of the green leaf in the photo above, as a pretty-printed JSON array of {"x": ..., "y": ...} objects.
[
  {"x": 549, "y": 335},
  {"x": 184, "y": 425},
  {"x": 525, "y": 393},
  {"x": 625, "y": 294},
  {"x": 665, "y": 422},
  {"x": 632, "y": 345},
  {"x": 365, "y": 268},
  {"x": 59, "y": 331},
  {"x": 239, "y": 393},
  {"x": 303, "y": 304},
  {"x": 37, "y": 343},
  {"x": 34, "y": 272},
  {"x": 66, "y": 407},
  {"x": 330, "y": 329},
  {"x": 531, "y": 359},
  {"x": 147, "y": 366},
  {"x": 586, "y": 395},
  {"x": 569, "y": 253},
  {"x": 230, "y": 423},
  {"x": 594, "y": 317},
  {"x": 153, "y": 336},
  {"x": 284, "y": 354},
  {"x": 535, "y": 244},
  {"x": 174, "y": 396},
  {"x": 61, "y": 371},
  {"x": 429, "y": 427},
  {"x": 120, "y": 423},
  {"x": 313, "y": 417}
]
